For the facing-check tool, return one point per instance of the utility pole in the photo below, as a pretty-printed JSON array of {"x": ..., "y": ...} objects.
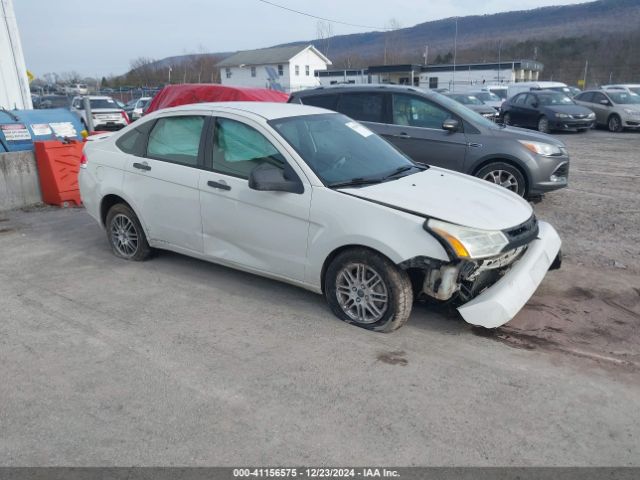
[
  {"x": 455, "y": 51},
  {"x": 586, "y": 67},
  {"x": 169, "y": 75},
  {"x": 426, "y": 55},
  {"x": 499, "y": 58}
]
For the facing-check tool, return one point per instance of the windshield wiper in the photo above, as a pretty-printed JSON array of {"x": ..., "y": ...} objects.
[
  {"x": 354, "y": 182},
  {"x": 399, "y": 170}
]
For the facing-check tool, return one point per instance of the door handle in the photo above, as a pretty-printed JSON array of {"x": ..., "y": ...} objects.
[
  {"x": 221, "y": 186},
  {"x": 142, "y": 166},
  {"x": 403, "y": 135}
]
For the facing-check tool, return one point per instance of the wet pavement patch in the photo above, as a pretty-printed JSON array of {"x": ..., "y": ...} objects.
[{"x": 393, "y": 358}]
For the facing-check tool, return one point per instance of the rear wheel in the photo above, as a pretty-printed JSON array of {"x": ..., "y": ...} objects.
[
  {"x": 614, "y": 123},
  {"x": 505, "y": 175},
  {"x": 543, "y": 124},
  {"x": 125, "y": 234},
  {"x": 364, "y": 288}
]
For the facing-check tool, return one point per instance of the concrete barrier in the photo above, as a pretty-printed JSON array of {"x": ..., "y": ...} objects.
[{"x": 19, "y": 184}]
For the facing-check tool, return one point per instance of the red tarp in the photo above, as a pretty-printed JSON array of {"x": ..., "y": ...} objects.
[{"x": 174, "y": 95}]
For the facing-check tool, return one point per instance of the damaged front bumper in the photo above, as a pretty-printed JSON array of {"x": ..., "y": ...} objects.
[{"x": 500, "y": 302}]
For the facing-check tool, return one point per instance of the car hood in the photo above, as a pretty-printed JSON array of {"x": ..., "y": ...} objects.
[
  {"x": 450, "y": 196},
  {"x": 481, "y": 108},
  {"x": 517, "y": 133},
  {"x": 570, "y": 109}
]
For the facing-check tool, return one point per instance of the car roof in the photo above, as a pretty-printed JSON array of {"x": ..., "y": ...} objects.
[
  {"x": 267, "y": 110},
  {"x": 361, "y": 87}
]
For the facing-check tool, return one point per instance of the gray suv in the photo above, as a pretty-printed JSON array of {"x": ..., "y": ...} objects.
[{"x": 436, "y": 130}]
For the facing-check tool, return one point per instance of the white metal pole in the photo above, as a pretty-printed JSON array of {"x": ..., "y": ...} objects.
[{"x": 455, "y": 51}]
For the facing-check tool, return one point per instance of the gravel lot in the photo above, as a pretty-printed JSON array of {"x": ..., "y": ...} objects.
[
  {"x": 592, "y": 306},
  {"x": 179, "y": 362}
]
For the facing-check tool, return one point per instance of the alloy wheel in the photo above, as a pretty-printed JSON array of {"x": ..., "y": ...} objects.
[
  {"x": 614, "y": 124},
  {"x": 503, "y": 178},
  {"x": 361, "y": 293},
  {"x": 124, "y": 236}
]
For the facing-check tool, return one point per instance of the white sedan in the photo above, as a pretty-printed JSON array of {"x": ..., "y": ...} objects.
[{"x": 313, "y": 198}]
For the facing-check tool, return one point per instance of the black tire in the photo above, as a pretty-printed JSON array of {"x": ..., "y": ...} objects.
[
  {"x": 491, "y": 173},
  {"x": 614, "y": 124},
  {"x": 543, "y": 124},
  {"x": 506, "y": 120},
  {"x": 394, "y": 282},
  {"x": 116, "y": 222}
]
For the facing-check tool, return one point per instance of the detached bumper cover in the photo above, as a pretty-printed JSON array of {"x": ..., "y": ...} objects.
[{"x": 503, "y": 300}]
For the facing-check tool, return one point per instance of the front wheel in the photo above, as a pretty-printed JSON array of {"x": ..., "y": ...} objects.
[
  {"x": 365, "y": 288},
  {"x": 543, "y": 124},
  {"x": 506, "y": 120},
  {"x": 125, "y": 234},
  {"x": 505, "y": 175},
  {"x": 614, "y": 123}
]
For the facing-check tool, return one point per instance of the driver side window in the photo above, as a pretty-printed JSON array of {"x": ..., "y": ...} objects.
[
  {"x": 239, "y": 148},
  {"x": 415, "y": 112}
]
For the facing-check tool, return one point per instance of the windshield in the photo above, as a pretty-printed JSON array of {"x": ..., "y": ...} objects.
[
  {"x": 500, "y": 92},
  {"x": 555, "y": 98},
  {"x": 103, "y": 103},
  {"x": 340, "y": 150},
  {"x": 466, "y": 99},
  {"x": 624, "y": 98},
  {"x": 488, "y": 97}
]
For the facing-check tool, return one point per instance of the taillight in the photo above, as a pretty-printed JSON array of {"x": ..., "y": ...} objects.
[
  {"x": 125, "y": 116},
  {"x": 83, "y": 161}
]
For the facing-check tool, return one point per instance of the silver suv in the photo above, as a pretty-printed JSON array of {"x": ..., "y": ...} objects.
[{"x": 435, "y": 130}]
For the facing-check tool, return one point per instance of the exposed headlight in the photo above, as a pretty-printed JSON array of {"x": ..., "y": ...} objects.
[
  {"x": 469, "y": 242},
  {"x": 591, "y": 115},
  {"x": 632, "y": 112},
  {"x": 545, "y": 149},
  {"x": 562, "y": 115}
]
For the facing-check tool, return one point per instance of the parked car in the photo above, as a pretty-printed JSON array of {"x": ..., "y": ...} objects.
[
  {"x": 615, "y": 109},
  {"x": 435, "y": 130},
  {"x": 53, "y": 101},
  {"x": 547, "y": 110},
  {"x": 488, "y": 98},
  {"x": 105, "y": 112},
  {"x": 474, "y": 103},
  {"x": 313, "y": 198},
  {"x": 135, "y": 107},
  {"x": 76, "y": 89},
  {"x": 627, "y": 87},
  {"x": 519, "y": 87}
]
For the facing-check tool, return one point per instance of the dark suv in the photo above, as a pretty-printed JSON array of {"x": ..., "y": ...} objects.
[{"x": 436, "y": 130}]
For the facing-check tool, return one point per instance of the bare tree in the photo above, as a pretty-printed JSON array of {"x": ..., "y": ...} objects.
[
  {"x": 392, "y": 41},
  {"x": 324, "y": 32}
]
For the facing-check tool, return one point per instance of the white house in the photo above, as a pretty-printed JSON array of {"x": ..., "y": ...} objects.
[{"x": 280, "y": 68}]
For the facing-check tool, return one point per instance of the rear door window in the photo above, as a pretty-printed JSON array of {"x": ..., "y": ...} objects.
[
  {"x": 366, "y": 107},
  {"x": 323, "y": 101},
  {"x": 176, "y": 139}
]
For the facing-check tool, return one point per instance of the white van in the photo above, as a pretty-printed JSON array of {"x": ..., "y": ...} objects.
[{"x": 516, "y": 88}]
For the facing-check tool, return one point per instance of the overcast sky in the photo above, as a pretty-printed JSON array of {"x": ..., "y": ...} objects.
[{"x": 100, "y": 38}]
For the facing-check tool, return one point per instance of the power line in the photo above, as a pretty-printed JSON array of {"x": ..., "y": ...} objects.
[{"x": 322, "y": 18}]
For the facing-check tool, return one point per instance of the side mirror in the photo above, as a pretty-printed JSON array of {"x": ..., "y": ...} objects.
[
  {"x": 605, "y": 102},
  {"x": 269, "y": 178},
  {"x": 451, "y": 125}
]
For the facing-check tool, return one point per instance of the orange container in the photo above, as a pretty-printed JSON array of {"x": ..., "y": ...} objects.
[{"x": 58, "y": 167}]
